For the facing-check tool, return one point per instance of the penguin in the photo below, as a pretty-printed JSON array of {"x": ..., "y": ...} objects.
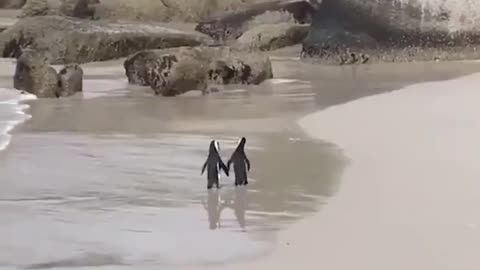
[
  {"x": 241, "y": 164},
  {"x": 215, "y": 164}
]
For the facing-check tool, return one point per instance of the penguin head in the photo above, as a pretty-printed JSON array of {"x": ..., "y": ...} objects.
[
  {"x": 241, "y": 143},
  {"x": 213, "y": 146},
  {"x": 243, "y": 140}
]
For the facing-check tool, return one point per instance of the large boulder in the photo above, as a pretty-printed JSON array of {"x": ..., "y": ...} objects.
[
  {"x": 12, "y": 4},
  {"x": 273, "y": 36},
  {"x": 168, "y": 10},
  {"x": 35, "y": 77},
  {"x": 64, "y": 40},
  {"x": 233, "y": 24},
  {"x": 173, "y": 72},
  {"x": 346, "y": 31}
]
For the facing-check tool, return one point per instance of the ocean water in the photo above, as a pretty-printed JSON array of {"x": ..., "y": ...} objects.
[
  {"x": 12, "y": 113},
  {"x": 111, "y": 177}
]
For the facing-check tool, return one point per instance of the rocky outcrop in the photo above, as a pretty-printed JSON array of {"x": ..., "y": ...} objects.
[
  {"x": 78, "y": 8},
  {"x": 63, "y": 40},
  {"x": 173, "y": 72},
  {"x": 71, "y": 8},
  {"x": 12, "y": 4},
  {"x": 360, "y": 31},
  {"x": 33, "y": 75},
  {"x": 169, "y": 10},
  {"x": 36, "y": 77},
  {"x": 36, "y": 8},
  {"x": 70, "y": 80},
  {"x": 233, "y": 25},
  {"x": 273, "y": 36}
]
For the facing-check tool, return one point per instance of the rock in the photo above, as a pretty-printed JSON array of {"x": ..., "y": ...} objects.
[
  {"x": 35, "y": 77},
  {"x": 273, "y": 36},
  {"x": 78, "y": 8},
  {"x": 36, "y": 8},
  {"x": 345, "y": 31},
  {"x": 168, "y": 10},
  {"x": 173, "y": 72},
  {"x": 71, "y": 80},
  {"x": 21, "y": 78},
  {"x": 71, "y": 8},
  {"x": 232, "y": 25},
  {"x": 12, "y": 4},
  {"x": 63, "y": 40},
  {"x": 178, "y": 73}
]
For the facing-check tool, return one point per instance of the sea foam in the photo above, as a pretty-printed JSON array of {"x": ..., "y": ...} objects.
[{"x": 12, "y": 113}]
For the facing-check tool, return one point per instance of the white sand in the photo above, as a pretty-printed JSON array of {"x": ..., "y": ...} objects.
[{"x": 410, "y": 197}]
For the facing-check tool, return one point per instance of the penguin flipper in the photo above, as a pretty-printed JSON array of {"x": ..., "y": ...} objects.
[
  {"x": 204, "y": 167},
  {"x": 228, "y": 164},
  {"x": 248, "y": 163},
  {"x": 224, "y": 168}
]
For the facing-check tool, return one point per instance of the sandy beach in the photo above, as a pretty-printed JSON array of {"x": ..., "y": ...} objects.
[{"x": 408, "y": 198}]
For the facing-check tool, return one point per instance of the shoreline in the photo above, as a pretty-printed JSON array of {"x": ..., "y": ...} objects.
[
  {"x": 269, "y": 109},
  {"x": 408, "y": 219}
]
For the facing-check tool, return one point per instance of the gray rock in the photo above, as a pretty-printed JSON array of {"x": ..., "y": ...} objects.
[
  {"x": 36, "y": 8},
  {"x": 273, "y": 36},
  {"x": 78, "y": 8},
  {"x": 360, "y": 31},
  {"x": 178, "y": 73},
  {"x": 173, "y": 72},
  {"x": 63, "y": 40},
  {"x": 232, "y": 25},
  {"x": 34, "y": 76},
  {"x": 71, "y": 80},
  {"x": 12, "y": 4}
]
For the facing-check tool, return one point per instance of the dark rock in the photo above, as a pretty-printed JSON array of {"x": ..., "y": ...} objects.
[
  {"x": 71, "y": 80},
  {"x": 34, "y": 76},
  {"x": 361, "y": 31},
  {"x": 232, "y": 25},
  {"x": 78, "y": 8},
  {"x": 12, "y": 4},
  {"x": 63, "y": 40},
  {"x": 178, "y": 73},
  {"x": 273, "y": 36},
  {"x": 173, "y": 72}
]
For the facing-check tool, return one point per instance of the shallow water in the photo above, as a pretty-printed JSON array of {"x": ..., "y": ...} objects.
[
  {"x": 12, "y": 113},
  {"x": 112, "y": 177},
  {"x": 156, "y": 197}
]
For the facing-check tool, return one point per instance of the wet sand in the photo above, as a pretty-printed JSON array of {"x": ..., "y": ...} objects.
[
  {"x": 408, "y": 198},
  {"x": 129, "y": 163}
]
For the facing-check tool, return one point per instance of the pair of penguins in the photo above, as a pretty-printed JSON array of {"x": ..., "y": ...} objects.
[{"x": 214, "y": 164}]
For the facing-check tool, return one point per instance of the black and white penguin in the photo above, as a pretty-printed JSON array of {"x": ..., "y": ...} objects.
[
  {"x": 241, "y": 164},
  {"x": 214, "y": 164}
]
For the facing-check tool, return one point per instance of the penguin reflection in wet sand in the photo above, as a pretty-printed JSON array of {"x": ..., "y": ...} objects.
[
  {"x": 214, "y": 165},
  {"x": 241, "y": 164}
]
